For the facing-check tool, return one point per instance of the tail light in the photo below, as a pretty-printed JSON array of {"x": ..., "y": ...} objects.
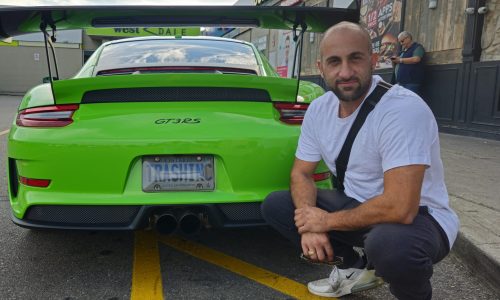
[
  {"x": 291, "y": 113},
  {"x": 47, "y": 116},
  {"x": 321, "y": 176},
  {"x": 34, "y": 182}
]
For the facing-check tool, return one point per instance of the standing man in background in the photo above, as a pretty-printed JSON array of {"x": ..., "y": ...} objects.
[{"x": 409, "y": 65}]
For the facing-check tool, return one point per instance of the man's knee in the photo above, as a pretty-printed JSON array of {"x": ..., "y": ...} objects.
[
  {"x": 278, "y": 206},
  {"x": 396, "y": 258}
]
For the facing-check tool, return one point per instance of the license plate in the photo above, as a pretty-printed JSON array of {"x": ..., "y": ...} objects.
[{"x": 178, "y": 173}]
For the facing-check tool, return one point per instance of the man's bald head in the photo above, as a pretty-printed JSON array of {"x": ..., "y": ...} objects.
[
  {"x": 347, "y": 61},
  {"x": 346, "y": 28}
]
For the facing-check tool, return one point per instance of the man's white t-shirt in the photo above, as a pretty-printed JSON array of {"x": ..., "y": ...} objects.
[{"x": 401, "y": 130}]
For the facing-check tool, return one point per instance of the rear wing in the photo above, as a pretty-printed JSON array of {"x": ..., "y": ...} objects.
[{"x": 15, "y": 20}]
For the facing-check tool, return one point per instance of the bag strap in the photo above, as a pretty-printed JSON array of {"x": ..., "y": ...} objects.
[{"x": 367, "y": 106}]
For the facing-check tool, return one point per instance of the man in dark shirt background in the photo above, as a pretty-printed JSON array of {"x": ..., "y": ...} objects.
[{"x": 409, "y": 65}]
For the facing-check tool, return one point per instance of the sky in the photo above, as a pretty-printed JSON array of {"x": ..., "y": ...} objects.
[{"x": 118, "y": 2}]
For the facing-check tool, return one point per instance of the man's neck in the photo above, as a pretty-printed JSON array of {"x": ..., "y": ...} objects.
[{"x": 347, "y": 108}]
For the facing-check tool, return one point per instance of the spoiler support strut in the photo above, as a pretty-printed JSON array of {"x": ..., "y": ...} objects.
[
  {"x": 49, "y": 40},
  {"x": 298, "y": 51}
]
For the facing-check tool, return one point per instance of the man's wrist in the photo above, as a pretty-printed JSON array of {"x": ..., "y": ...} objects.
[
  {"x": 330, "y": 221},
  {"x": 400, "y": 60}
]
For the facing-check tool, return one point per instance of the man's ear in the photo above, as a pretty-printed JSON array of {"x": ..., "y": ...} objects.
[{"x": 320, "y": 68}]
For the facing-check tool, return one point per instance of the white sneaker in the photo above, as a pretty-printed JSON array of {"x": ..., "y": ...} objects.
[{"x": 344, "y": 281}]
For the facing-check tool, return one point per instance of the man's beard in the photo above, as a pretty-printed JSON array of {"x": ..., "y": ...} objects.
[{"x": 353, "y": 94}]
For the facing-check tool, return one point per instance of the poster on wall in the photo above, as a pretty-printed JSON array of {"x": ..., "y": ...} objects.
[
  {"x": 286, "y": 47},
  {"x": 383, "y": 20}
]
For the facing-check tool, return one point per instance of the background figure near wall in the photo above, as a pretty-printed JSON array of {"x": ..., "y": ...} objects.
[{"x": 409, "y": 65}]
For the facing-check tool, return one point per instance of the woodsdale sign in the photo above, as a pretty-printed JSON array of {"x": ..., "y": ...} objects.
[{"x": 144, "y": 31}]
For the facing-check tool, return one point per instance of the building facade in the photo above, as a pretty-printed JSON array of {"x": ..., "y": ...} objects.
[
  {"x": 461, "y": 38},
  {"x": 462, "y": 42}
]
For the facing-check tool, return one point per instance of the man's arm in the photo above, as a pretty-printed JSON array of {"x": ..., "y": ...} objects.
[
  {"x": 316, "y": 245},
  {"x": 302, "y": 184},
  {"x": 397, "y": 204},
  {"x": 418, "y": 54},
  {"x": 406, "y": 60}
]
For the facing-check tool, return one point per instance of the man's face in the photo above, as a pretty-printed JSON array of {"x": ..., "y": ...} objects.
[
  {"x": 405, "y": 42},
  {"x": 346, "y": 64}
]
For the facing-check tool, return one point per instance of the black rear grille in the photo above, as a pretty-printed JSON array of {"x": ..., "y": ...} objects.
[
  {"x": 83, "y": 215},
  {"x": 166, "y": 94},
  {"x": 241, "y": 211}
]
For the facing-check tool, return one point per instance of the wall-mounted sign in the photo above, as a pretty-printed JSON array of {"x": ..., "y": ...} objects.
[
  {"x": 383, "y": 19},
  {"x": 261, "y": 43},
  {"x": 144, "y": 31},
  {"x": 284, "y": 58}
]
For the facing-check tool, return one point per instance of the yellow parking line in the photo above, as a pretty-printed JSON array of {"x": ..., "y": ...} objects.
[
  {"x": 262, "y": 276},
  {"x": 146, "y": 274},
  {"x": 4, "y": 132}
]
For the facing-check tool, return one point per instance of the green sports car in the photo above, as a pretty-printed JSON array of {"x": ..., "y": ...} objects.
[{"x": 177, "y": 132}]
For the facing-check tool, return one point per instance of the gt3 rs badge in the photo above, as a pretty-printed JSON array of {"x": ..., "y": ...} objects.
[{"x": 178, "y": 121}]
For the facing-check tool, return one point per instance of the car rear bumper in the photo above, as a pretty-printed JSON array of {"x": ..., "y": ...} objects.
[{"x": 131, "y": 217}]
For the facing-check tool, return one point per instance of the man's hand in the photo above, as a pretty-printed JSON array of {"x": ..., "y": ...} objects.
[
  {"x": 317, "y": 246},
  {"x": 311, "y": 219}
]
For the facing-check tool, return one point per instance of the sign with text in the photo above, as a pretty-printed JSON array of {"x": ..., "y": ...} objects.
[{"x": 144, "y": 31}]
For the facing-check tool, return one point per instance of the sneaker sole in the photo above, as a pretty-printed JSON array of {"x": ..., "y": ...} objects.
[
  {"x": 367, "y": 286},
  {"x": 359, "y": 288}
]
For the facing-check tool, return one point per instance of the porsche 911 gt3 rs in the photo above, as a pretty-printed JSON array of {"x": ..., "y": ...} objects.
[{"x": 165, "y": 131}]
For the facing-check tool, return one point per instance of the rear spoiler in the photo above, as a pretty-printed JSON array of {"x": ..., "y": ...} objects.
[{"x": 15, "y": 20}]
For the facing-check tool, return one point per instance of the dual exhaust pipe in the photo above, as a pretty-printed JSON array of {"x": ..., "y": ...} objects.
[{"x": 187, "y": 222}]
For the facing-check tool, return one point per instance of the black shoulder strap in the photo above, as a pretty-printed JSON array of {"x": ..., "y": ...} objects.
[{"x": 366, "y": 108}]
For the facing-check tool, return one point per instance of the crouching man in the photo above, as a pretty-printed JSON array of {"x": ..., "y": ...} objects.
[{"x": 392, "y": 202}]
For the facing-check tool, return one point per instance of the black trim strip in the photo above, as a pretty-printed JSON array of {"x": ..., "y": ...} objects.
[{"x": 168, "y": 94}]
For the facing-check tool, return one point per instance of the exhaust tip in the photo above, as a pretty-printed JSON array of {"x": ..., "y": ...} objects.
[
  {"x": 166, "y": 223},
  {"x": 190, "y": 223}
]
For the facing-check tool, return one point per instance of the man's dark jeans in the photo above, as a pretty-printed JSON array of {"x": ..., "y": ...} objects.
[{"x": 401, "y": 254}]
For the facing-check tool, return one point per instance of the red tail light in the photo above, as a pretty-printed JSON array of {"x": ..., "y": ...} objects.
[
  {"x": 291, "y": 113},
  {"x": 47, "y": 116},
  {"x": 321, "y": 176},
  {"x": 34, "y": 182}
]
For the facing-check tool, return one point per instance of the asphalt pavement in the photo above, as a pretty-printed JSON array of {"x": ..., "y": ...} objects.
[
  {"x": 472, "y": 171},
  {"x": 472, "y": 167}
]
